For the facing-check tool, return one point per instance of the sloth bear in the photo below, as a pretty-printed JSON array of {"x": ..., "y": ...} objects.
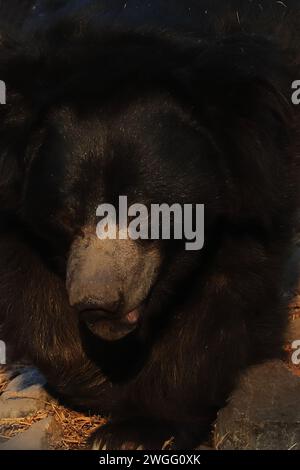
[{"x": 186, "y": 112}]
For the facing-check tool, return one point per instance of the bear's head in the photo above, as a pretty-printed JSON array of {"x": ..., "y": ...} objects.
[{"x": 91, "y": 117}]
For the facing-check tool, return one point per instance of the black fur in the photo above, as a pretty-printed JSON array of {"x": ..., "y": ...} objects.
[{"x": 198, "y": 114}]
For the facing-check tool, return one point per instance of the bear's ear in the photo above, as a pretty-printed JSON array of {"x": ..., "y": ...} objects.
[
  {"x": 239, "y": 88},
  {"x": 18, "y": 75}
]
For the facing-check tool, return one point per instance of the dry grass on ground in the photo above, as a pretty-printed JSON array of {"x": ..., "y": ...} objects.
[{"x": 76, "y": 427}]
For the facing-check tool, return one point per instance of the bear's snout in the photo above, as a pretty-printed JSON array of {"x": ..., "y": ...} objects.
[{"x": 108, "y": 282}]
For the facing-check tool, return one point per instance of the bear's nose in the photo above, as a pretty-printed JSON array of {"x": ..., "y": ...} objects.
[
  {"x": 96, "y": 290},
  {"x": 105, "y": 320}
]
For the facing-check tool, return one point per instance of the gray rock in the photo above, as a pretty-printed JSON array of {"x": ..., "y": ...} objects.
[
  {"x": 24, "y": 395},
  {"x": 263, "y": 412},
  {"x": 25, "y": 403},
  {"x": 26, "y": 378},
  {"x": 38, "y": 437}
]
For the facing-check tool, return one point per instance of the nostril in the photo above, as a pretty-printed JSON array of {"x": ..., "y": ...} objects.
[
  {"x": 91, "y": 317},
  {"x": 97, "y": 307}
]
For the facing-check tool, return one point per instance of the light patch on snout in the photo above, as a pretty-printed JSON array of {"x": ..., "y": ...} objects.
[{"x": 110, "y": 272}]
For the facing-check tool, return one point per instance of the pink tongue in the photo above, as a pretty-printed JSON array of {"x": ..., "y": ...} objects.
[{"x": 132, "y": 317}]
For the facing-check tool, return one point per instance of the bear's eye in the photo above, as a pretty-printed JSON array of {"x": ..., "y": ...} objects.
[{"x": 66, "y": 219}]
